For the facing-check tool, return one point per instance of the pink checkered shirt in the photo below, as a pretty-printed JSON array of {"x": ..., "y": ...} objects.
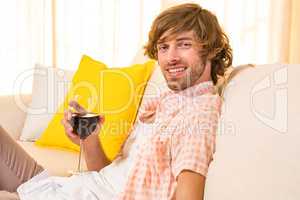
[{"x": 184, "y": 139}]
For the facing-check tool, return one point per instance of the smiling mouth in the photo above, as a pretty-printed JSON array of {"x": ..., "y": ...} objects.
[{"x": 176, "y": 72}]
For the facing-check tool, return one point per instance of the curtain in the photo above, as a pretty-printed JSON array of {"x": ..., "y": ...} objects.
[
  {"x": 57, "y": 32},
  {"x": 260, "y": 31},
  {"x": 25, "y": 40},
  {"x": 294, "y": 32},
  {"x": 111, "y": 31}
]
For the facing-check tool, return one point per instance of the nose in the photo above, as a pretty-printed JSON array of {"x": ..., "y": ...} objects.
[{"x": 173, "y": 56}]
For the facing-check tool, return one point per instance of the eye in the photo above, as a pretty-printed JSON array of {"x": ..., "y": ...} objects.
[
  {"x": 184, "y": 44},
  {"x": 162, "y": 47}
]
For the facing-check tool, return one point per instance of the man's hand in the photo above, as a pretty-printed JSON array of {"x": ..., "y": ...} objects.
[
  {"x": 67, "y": 125},
  {"x": 93, "y": 152},
  {"x": 148, "y": 111},
  {"x": 190, "y": 186}
]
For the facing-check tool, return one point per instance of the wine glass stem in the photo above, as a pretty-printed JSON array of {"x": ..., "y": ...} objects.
[{"x": 80, "y": 155}]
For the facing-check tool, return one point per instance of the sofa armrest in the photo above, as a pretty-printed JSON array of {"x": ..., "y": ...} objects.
[{"x": 13, "y": 115}]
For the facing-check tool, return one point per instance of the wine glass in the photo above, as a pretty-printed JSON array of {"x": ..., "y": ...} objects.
[{"x": 84, "y": 124}]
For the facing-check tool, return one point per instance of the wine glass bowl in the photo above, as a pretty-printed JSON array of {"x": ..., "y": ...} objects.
[{"x": 83, "y": 124}]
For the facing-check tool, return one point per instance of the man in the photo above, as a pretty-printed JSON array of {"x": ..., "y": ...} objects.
[{"x": 172, "y": 159}]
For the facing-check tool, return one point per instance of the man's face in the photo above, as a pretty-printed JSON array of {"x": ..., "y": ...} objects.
[{"x": 179, "y": 59}]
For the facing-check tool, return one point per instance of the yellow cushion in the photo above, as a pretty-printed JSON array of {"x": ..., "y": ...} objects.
[{"x": 115, "y": 93}]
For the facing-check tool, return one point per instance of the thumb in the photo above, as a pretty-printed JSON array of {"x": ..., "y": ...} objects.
[{"x": 77, "y": 107}]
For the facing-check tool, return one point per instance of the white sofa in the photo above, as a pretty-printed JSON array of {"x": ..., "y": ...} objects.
[{"x": 258, "y": 143}]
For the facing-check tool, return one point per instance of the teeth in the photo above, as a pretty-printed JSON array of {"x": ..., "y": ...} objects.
[{"x": 176, "y": 70}]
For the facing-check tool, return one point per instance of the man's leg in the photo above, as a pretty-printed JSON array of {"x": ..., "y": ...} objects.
[
  {"x": 16, "y": 166},
  {"x": 4, "y": 195}
]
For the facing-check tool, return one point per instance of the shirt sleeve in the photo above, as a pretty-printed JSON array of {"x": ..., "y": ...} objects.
[{"x": 193, "y": 144}]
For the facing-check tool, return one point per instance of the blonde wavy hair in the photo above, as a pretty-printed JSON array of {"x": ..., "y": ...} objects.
[{"x": 192, "y": 17}]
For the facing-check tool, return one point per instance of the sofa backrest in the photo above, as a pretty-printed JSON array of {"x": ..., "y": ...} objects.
[{"x": 258, "y": 141}]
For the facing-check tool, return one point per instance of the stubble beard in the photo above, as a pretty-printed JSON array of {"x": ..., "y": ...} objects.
[{"x": 188, "y": 80}]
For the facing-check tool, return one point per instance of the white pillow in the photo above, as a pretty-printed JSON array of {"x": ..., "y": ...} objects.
[{"x": 50, "y": 86}]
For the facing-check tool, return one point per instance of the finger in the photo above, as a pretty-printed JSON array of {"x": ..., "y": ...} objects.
[
  {"x": 63, "y": 122},
  {"x": 153, "y": 105},
  {"x": 69, "y": 130},
  {"x": 102, "y": 119},
  {"x": 66, "y": 123},
  {"x": 147, "y": 114},
  {"x": 77, "y": 106},
  {"x": 71, "y": 134},
  {"x": 96, "y": 131},
  {"x": 147, "y": 107},
  {"x": 69, "y": 114},
  {"x": 66, "y": 114}
]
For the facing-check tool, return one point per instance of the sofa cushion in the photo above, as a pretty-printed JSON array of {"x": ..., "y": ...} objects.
[
  {"x": 115, "y": 93},
  {"x": 57, "y": 162},
  {"x": 49, "y": 89},
  {"x": 257, "y": 151}
]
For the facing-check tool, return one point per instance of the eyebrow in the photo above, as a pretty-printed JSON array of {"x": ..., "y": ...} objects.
[
  {"x": 184, "y": 38},
  {"x": 162, "y": 40}
]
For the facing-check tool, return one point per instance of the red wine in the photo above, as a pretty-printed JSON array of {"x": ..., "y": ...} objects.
[{"x": 84, "y": 124}]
